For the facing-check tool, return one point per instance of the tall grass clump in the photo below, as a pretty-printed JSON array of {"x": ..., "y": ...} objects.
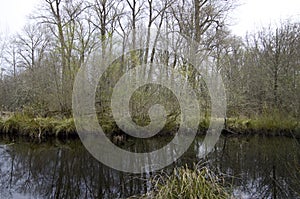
[
  {"x": 23, "y": 124},
  {"x": 20, "y": 124},
  {"x": 65, "y": 127},
  {"x": 204, "y": 124},
  {"x": 190, "y": 183}
]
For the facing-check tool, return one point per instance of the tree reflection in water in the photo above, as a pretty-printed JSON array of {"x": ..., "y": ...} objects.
[
  {"x": 56, "y": 170},
  {"x": 262, "y": 168}
]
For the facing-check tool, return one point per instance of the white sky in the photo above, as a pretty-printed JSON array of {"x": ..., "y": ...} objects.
[
  {"x": 13, "y": 14},
  {"x": 253, "y": 14},
  {"x": 250, "y": 15}
]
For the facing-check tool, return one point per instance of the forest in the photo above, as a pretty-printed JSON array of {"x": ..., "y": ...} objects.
[{"x": 260, "y": 71}]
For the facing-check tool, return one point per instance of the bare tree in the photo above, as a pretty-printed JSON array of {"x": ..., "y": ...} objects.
[
  {"x": 11, "y": 56},
  {"x": 104, "y": 19},
  {"x": 32, "y": 43},
  {"x": 60, "y": 16}
]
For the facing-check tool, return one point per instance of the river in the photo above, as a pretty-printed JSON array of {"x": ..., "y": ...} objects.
[{"x": 255, "y": 167}]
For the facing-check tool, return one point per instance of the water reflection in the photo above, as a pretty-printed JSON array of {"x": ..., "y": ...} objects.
[
  {"x": 60, "y": 170},
  {"x": 262, "y": 168}
]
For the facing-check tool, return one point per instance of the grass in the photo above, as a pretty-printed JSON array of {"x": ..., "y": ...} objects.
[
  {"x": 65, "y": 127},
  {"x": 266, "y": 124},
  {"x": 199, "y": 182},
  {"x": 24, "y": 125}
]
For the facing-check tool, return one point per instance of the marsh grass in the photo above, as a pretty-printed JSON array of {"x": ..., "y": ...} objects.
[
  {"x": 204, "y": 124},
  {"x": 65, "y": 127},
  {"x": 274, "y": 124},
  {"x": 22, "y": 124},
  {"x": 19, "y": 124},
  {"x": 267, "y": 124},
  {"x": 199, "y": 182}
]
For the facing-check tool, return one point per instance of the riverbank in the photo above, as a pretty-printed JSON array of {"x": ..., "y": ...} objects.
[
  {"x": 263, "y": 125},
  {"x": 36, "y": 127}
]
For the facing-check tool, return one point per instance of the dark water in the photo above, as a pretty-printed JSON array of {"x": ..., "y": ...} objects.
[{"x": 261, "y": 168}]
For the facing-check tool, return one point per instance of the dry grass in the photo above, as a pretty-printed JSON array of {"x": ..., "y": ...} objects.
[
  {"x": 21, "y": 124},
  {"x": 199, "y": 182}
]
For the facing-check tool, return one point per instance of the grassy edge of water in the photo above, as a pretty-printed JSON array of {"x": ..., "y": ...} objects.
[
  {"x": 265, "y": 125},
  {"x": 23, "y": 125}
]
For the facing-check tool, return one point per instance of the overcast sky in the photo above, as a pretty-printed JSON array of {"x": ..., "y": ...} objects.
[
  {"x": 13, "y": 14},
  {"x": 251, "y": 15}
]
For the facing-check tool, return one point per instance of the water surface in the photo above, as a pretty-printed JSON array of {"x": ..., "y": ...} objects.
[{"x": 260, "y": 167}]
